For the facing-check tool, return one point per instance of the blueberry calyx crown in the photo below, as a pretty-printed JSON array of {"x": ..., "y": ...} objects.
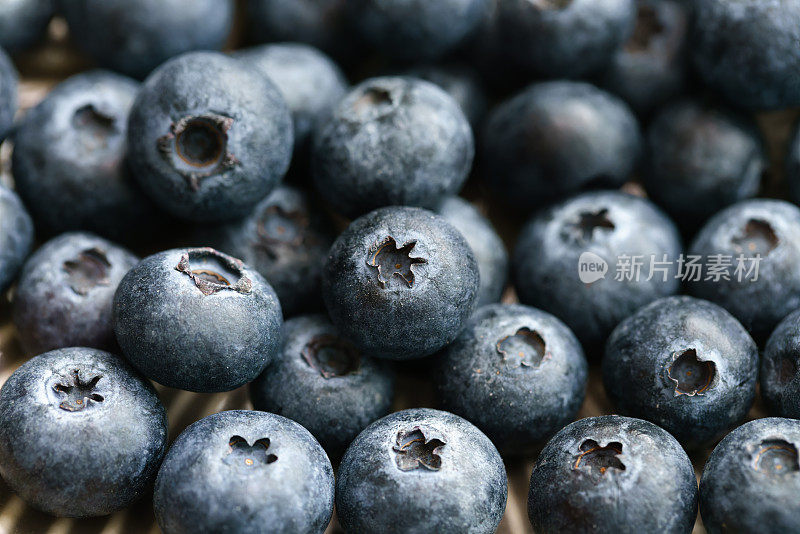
[
  {"x": 776, "y": 457},
  {"x": 88, "y": 270},
  {"x": 757, "y": 237},
  {"x": 526, "y": 344},
  {"x": 96, "y": 126},
  {"x": 196, "y": 146},
  {"x": 647, "y": 27},
  {"x": 583, "y": 229},
  {"x": 278, "y": 229},
  {"x": 373, "y": 103},
  {"x": 76, "y": 392},
  {"x": 331, "y": 355},
  {"x": 691, "y": 375},
  {"x": 419, "y": 448},
  {"x": 241, "y": 453},
  {"x": 212, "y": 271},
  {"x": 598, "y": 460},
  {"x": 392, "y": 260},
  {"x": 551, "y": 4}
]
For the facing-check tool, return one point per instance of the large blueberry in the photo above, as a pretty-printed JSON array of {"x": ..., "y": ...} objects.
[
  {"x": 23, "y": 22},
  {"x": 459, "y": 81},
  {"x": 400, "y": 283},
  {"x": 392, "y": 141},
  {"x": 209, "y": 137},
  {"x": 343, "y": 390},
  {"x": 780, "y": 368},
  {"x": 751, "y": 481},
  {"x": 8, "y": 94},
  {"x": 613, "y": 474},
  {"x": 69, "y": 159},
  {"x": 135, "y": 36},
  {"x": 701, "y": 159},
  {"x": 516, "y": 372},
  {"x": 422, "y": 471},
  {"x": 556, "y": 138},
  {"x": 245, "y": 472},
  {"x": 197, "y": 319},
  {"x": 686, "y": 365},
  {"x": 16, "y": 236},
  {"x": 592, "y": 260},
  {"x": 748, "y": 51},
  {"x": 65, "y": 293},
  {"x": 792, "y": 165},
  {"x": 753, "y": 249},
  {"x": 81, "y": 433}
]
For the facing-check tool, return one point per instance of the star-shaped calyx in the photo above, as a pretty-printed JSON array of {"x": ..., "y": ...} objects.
[
  {"x": 76, "y": 393},
  {"x": 418, "y": 448},
  {"x": 212, "y": 271},
  {"x": 241, "y": 453},
  {"x": 525, "y": 346},
  {"x": 691, "y": 375},
  {"x": 598, "y": 460},
  {"x": 278, "y": 229},
  {"x": 392, "y": 260},
  {"x": 331, "y": 356},
  {"x": 87, "y": 271},
  {"x": 583, "y": 229}
]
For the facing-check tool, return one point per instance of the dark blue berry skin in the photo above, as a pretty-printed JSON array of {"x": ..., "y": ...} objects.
[
  {"x": 419, "y": 29},
  {"x": 751, "y": 481},
  {"x": 286, "y": 238},
  {"x": 400, "y": 283},
  {"x": 421, "y": 470},
  {"x": 341, "y": 390},
  {"x": 517, "y": 373},
  {"x": 652, "y": 67},
  {"x": 70, "y": 164},
  {"x": 392, "y": 141},
  {"x": 244, "y": 472},
  {"x": 196, "y": 319},
  {"x": 8, "y": 94},
  {"x": 529, "y": 143},
  {"x": 23, "y": 22},
  {"x": 613, "y": 474},
  {"x": 65, "y": 293},
  {"x": 748, "y": 51},
  {"x": 81, "y": 433},
  {"x": 685, "y": 364},
  {"x": 770, "y": 228},
  {"x": 135, "y": 36},
  {"x": 209, "y": 137},
  {"x": 489, "y": 250},
  {"x": 780, "y": 368},
  {"x": 701, "y": 159},
  {"x": 609, "y": 224},
  {"x": 560, "y": 38},
  {"x": 16, "y": 236},
  {"x": 460, "y": 82}
]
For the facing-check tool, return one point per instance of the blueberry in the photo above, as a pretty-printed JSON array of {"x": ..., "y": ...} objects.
[
  {"x": 792, "y": 164},
  {"x": 608, "y": 226},
  {"x": 310, "y": 82},
  {"x": 81, "y": 433},
  {"x": 489, "y": 250},
  {"x": 135, "y": 36},
  {"x": 419, "y": 29},
  {"x": 556, "y": 138},
  {"x": 517, "y": 373},
  {"x": 16, "y": 236},
  {"x": 702, "y": 159},
  {"x": 780, "y": 375},
  {"x": 392, "y": 141},
  {"x": 197, "y": 319},
  {"x": 461, "y": 82},
  {"x": 400, "y": 283},
  {"x": 65, "y": 293},
  {"x": 23, "y": 22},
  {"x": 343, "y": 390},
  {"x": 8, "y": 94},
  {"x": 748, "y": 51},
  {"x": 69, "y": 159},
  {"x": 751, "y": 481},
  {"x": 246, "y": 472},
  {"x": 686, "y": 365},
  {"x": 652, "y": 67},
  {"x": 560, "y": 38},
  {"x": 286, "y": 238},
  {"x": 209, "y": 138},
  {"x": 763, "y": 291},
  {"x": 613, "y": 474},
  {"x": 423, "y": 471}
]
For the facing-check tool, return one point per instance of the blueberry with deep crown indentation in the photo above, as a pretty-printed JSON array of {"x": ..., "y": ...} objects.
[
  {"x": 434, "y": 472},
  {"x": 780, "y": 368},
  {"x": 751, "y": 480},
  {"x": 244, "y": 471},
  {"x": 400, "y": 283},
  {"x": 685, "y": 364},
  {"x": 23, "y": 22},
  {"x": 208, "y": 137},
  {"x": 613, "y": 474},
  {"x": 16, "y": 236},
  {"x": 65, "y": 293},
  {"x": 8, "y": 94},
  {"x": 81, "y": 433},
  {"x": 197, "y": 319}
]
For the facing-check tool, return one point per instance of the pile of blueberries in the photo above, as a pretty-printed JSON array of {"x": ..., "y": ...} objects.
[{"x": 302, "y": 235}]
